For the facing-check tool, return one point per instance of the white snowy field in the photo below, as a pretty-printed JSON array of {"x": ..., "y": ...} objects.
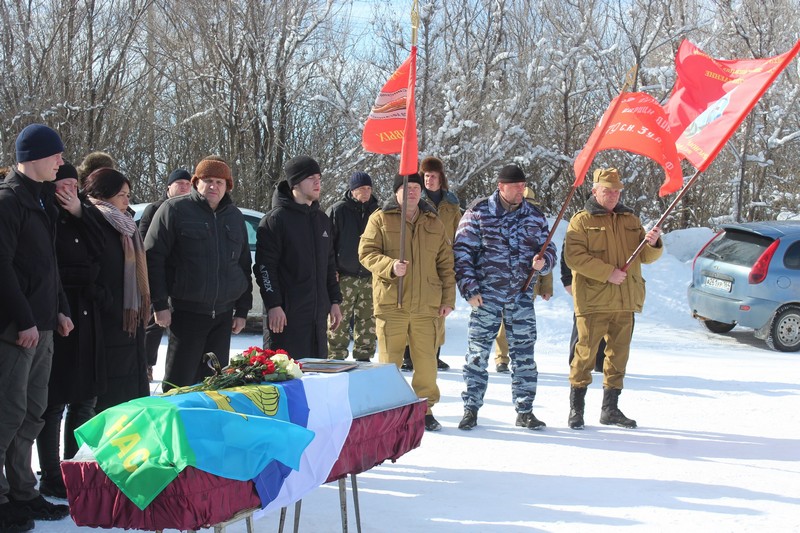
[{"x": 717, "y": 448}]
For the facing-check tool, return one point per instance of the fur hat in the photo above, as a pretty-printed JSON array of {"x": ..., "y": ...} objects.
[
  {"x": 434, "y": 164},
  {"x": 37, "y": 141},
  {"x": 178, "y": 174},
  {"x": 413, "y": 178},
  {"x": 359, "y": 179},
  {"x": 607, "y": 177},
  {"x": 66, "y": 171},
  {"x": 93, "y": 161},
  {"x": 510, "y": 174},
  {"x": 299, "y": 168},
  {"x": 213, "y": 168}
]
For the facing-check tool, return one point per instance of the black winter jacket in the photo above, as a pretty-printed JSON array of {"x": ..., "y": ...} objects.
[
  {"x": 147, "y": 216},
  {"x": 30, "y": 288},
  {"x": 349, "y": 218},
  {"x": 295, "y": 265},
  {"x": 198, "y": 257}
]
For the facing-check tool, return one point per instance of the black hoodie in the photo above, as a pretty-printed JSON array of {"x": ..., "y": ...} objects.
[{"x": 295, "y": 266}]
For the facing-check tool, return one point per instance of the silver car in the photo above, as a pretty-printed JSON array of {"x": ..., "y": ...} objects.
[
  {"x": 251, "y": 221},
  {"x": 749, "y": 275}
]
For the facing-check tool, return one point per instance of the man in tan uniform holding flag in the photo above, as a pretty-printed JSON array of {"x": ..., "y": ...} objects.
[{"x": 599, "y": 241}]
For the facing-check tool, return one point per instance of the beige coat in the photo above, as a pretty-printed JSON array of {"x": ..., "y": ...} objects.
[
  {"x": 450, "y": 215},
  {"x": 597, "y": 242},
  {"x": 429, "y": 282}
]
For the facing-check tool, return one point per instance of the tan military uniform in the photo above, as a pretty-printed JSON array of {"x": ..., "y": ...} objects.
[{"x": 428, "y": 285}]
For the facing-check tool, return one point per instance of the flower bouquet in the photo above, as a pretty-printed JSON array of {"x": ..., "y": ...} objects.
[{"x": 252, "y": 366}]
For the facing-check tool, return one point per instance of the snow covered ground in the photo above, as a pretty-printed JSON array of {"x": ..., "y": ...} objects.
[{"x": 717, "y": 448}]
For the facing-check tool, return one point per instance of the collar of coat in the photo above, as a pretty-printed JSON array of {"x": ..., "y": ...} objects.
[
  {"x": 596, "y": 209},
  {"x": 224, "y": 202},
  {"x": 448, "y": 196},
  {"x": 29, "y": 191},
  {"x": 282, "y": 197},
  {"x": 424, "y": 207}
]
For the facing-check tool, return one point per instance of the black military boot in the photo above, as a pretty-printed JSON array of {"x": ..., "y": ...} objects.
[
  {"x": 577, "y": 396},
  {"x": 611, "y": 415},
  {"x": 529, "y": 420},
  {"x": 470, "y": 419}
]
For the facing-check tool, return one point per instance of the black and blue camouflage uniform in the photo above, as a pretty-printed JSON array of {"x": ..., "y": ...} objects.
[{"x": 494, "y": 249}]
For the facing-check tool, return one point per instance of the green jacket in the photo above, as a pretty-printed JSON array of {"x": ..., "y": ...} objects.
[
  {"x": 430, "y": 280},
  {"x": 597, "y": 242}
]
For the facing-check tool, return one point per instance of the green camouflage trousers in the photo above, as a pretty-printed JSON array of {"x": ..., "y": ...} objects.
[{"x": 356, "y": 307}]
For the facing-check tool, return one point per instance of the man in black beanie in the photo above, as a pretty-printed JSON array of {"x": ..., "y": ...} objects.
[
  {"x": 349, "y": 218},
  {"x": 428, "y": 284},
  {"x": 179, "y": 182},
  {"x": 295, "y": 265},
  {"x": 33, "y": 306}
]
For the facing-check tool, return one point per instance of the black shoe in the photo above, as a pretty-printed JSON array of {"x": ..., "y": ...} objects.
[
  {"x": 502, "y": 368},
  {"x": 470, "y": 419},
  {"x": 529, "y": 420},
  {"x": 441, "y": 365},
  {"x": 407, "y": 365},
  {"x": 53, "y": 487},
  {"x": 41, "y": 509},
  {"x": 12, "y": 521},
  {"x": 431, "y": 424}
]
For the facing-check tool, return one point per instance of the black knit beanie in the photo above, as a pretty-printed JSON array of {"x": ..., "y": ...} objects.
[
  {"x": 178, "y": 174},
  {"x": 299, "y": 168},
  {"x": 37, "y": 141},
  {"x": 66, "y": 171},
  {"x": 359, "y": 179},
  {"x": 412, "y": 178}
]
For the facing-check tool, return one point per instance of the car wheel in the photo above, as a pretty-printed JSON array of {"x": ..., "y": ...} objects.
[
  {"x": 784, "y": 333},
  {"x": 718, "y": 327}
]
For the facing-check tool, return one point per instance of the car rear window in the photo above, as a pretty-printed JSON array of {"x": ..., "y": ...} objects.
[
  {"x": 737, "y": 247},
  {"x": 792, "y": 257}
]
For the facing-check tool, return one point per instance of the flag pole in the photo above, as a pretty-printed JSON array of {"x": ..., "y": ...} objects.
[
  {"x": 403, "y": 211},
  {"x": 403, "y": 208},
  {"x": 663, "y": 217},
  {"x": 630, "y": 79}
]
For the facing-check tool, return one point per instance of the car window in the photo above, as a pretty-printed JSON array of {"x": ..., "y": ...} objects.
[
  {"x": 251, "y": 223},
  {"x": 737, "y": 247},
  {"x": 792, "y": 257}
]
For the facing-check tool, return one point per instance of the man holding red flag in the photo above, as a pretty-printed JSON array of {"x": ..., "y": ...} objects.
[
  {"x": 429, "y": 284},
  {"x": 599, "y": 240}
]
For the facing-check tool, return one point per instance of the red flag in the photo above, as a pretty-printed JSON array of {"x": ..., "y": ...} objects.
[
  {"x": 634, "y": 122},
  {"x": 392, "y": 124},
  {"x": 713, "y": 96}
]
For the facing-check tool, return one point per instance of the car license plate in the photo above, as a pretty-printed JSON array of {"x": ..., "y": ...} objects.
[{"x": 716, "y": 283}]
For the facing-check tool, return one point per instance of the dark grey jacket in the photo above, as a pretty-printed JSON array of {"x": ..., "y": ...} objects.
[{"x": 199, "y": 258}]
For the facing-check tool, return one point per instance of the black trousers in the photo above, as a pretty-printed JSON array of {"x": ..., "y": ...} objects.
[
  {"x": 47, "y": 443},
  {"x": 190, "y": 336}
]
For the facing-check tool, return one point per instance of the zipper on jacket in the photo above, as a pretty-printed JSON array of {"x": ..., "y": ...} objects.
[{"x": 216, "y": 271}]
